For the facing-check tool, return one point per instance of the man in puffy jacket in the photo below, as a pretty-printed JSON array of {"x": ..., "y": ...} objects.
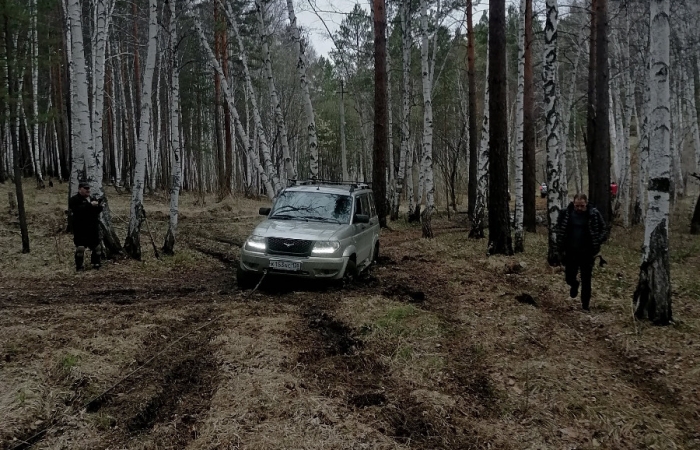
[
  {"x": 581, "y": 230},
  {"x": 86, "y": 223}
]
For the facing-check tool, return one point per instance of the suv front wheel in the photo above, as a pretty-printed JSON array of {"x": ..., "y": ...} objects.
[{"x": 245, "y": 279}]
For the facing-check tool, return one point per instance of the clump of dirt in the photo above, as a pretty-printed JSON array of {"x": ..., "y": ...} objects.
[
  {"x": 337, "y": 337},
  {"x": 368, "y": 399},
  {"x": 407, "y": 293}
]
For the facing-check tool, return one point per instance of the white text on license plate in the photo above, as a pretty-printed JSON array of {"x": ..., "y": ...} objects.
[{"x": 293, "y": 266}]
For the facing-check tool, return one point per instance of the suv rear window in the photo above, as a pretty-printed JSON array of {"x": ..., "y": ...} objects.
[{"x": 320, "y": 206}]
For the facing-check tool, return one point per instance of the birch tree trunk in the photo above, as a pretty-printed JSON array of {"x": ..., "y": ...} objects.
[
  {"x": 477, "y": 219},
  {"x": 643, "y": 148},
  {"x": 257, "y": 119},
  {"x": 652, "y": 298},
  {"x": 176, "y": 170},
  {"x": 427, "y": 160},
  {"x": 552, "y": 126},
  {"x": 343, "y": 149},
  {"x": 519, "y": 121},
  {"x": 306, "y": 97},
  {"x": 406, "y": 45},
  {"x": 132, "y": 243},
  {"x": 274, "y": 98},
  {"x": 35, "y": 96}
]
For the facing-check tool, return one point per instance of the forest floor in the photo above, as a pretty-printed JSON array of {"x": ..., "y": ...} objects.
[{"x": 439, "y": 347}]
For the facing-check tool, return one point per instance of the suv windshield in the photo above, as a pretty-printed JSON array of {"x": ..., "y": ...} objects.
[{"x": 312, "y": 206}]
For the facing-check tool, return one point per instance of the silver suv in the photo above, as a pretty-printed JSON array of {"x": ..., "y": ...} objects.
[{"x": 316, "y": 230}]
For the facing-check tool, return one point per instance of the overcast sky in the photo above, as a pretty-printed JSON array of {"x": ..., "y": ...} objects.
[{"x": 333, "y": 12}]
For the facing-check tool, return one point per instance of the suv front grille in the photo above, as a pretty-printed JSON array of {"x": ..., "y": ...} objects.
[{"x": 282, "y": 246}]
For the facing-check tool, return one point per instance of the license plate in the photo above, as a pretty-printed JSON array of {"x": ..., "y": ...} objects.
[{"x": 292, "y": 266}]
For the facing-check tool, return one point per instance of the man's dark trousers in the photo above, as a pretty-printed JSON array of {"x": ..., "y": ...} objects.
[{"x": 584, "y": 263}]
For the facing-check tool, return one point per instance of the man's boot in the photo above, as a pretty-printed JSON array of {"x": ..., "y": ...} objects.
[
  {"x": 79, "y": 258},
  {"x": 95, "y": 258}
]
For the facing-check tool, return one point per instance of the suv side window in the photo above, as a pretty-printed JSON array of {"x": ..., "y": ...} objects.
[
  {"x": 365, "y": 205},
  {"x": 358, "y": 206},
  {"x": 372, "y": 208}
]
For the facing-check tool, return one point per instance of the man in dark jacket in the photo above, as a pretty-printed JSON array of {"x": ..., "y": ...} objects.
[
  {"x": 86, "y": 223},
  {"x": 581, "y": 230}
]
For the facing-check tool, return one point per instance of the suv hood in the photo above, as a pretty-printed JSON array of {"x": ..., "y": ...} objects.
[{"x": 297, "y": 229}]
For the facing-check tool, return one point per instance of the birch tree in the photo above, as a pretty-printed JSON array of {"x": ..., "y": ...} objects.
[
  {"x": 176, "y": 170},
  {"x": 477, "y": 220},
  {"x": 306, "y": 96},
  {"x": 246, "y": 138},
  {"x": 552, "y": 127},
  {"x": 652, "y": 298},
  {"x": 427, "y": 157},
  {"x": 132, "y": 243},
  {"x": 274, "y": 98},
  {"x": 519, "y": 118},
  {"x": 406, "y": 45},
  {"x": 257, "y": 118},
  {"x": 35, "y": 95}
]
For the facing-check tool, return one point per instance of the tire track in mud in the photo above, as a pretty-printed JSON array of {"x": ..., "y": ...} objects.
[
  {"x": 339, "y": 364},
  {"x": 165, "y": 400},
  {"x": 168, "y": 398}
]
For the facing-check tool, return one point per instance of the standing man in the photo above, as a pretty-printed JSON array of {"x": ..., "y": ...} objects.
[
  {"x": 581, "y": 230},
  {"x": 86, "y": 223}
]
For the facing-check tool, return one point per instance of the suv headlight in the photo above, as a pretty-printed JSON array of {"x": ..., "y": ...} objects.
[
  {"x": 325, "y": 247},
  {"x": 255, "y": 243}
]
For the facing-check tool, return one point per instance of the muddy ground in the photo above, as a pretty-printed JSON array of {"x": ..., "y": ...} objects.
[{"x": 438, "y": 347}]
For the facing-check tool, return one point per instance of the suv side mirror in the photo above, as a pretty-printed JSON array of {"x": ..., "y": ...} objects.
[
  {"x": 264, "y": 211},
  {"x": 361, "y": 218}
]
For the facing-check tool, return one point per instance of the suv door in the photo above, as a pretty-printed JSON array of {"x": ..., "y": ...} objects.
[{"x": 361, "y": 230}]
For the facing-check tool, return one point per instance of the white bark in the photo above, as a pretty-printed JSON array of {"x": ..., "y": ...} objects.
[
  {"x": 343, "y": 149},
  {"x": 653, "y": 295},
  {"x": 35, "y": 95},
  {"x": 81, "y": 110},
  {"x": 482, "y": 185},
  {"x": 519, "y": 128},
  {"x": 274, "y": 98},
  {"x": 176, "y": 167},
  {"x": 406, "y": 45},
  {"x": 136, "y": 210},
  {"x": 257, "y": 119},
  {"x": 103, "y": 14},
  {"x": 306, "y": 97},
  {"x": 427, "y": 161},
  {"x": 553, "y": 140}
]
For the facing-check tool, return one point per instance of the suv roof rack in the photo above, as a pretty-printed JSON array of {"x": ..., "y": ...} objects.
[{"x": 318, "y": 181}]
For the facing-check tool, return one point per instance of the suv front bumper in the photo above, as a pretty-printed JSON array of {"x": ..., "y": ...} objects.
[{"x": 310, "y": 267}]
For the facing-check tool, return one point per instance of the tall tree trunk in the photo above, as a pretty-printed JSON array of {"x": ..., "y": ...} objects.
[
  {"x": 13, "y": 138},
  {"x": 477, "y": 218},
  {"x": 343, "y": 149},
  {"x": 406, "y": 45},
  {"x": 381, "y": 118},
  {"x": 257, "y": 118},
  {"x": 551, "y": 101},
  {"x": 600, "y": 182},
  {"x": 473, "y": 132},
  {"x": 427, "y": 157},
  {"x": 529, "y": 150},
  {"x": 306, "y": 97},
  {"x": 35, "y": 96},
  {"x": 169, "y": 244},
  {"x": 274, "y": 98},
  {"x": 500, "y": 241},
  {"x": 652, "y": 297},
  {"x": 519, "y": 117},
  {"x": 590, "y": 137},
  {"x": 132, "y": 243}
]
